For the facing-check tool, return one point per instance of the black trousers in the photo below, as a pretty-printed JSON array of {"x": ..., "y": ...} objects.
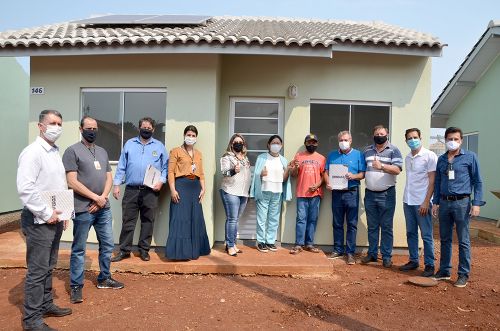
[
  {"x": 42, "y": 247},
  {"x": 137, "y": 201}
]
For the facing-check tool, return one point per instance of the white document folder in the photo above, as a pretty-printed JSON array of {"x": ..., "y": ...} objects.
[
  {"x": 336, "y": 176},
  {"x": 152, "y": 176},
  {"x": 62, "y": 201}
]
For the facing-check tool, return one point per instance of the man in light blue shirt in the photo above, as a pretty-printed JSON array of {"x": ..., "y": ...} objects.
[{"x": 137, "y": 154}]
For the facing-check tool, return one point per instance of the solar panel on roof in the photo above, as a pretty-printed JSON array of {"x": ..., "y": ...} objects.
[{"x": 146, "y": 19}]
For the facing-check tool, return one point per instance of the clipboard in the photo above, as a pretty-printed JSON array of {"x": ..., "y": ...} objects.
[
  {"x": 152, "y": 176},
  {"x": 336, "y": 176}
]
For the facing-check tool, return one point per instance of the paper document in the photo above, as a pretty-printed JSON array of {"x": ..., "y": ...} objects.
[
  {"x": 152, "y": 176},
  {"x": 336, "y": 176},
  {"x": 62, "y": 201}
]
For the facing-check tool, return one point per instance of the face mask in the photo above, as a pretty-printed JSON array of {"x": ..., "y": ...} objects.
[
  {"x": 145, "y": 133},
  {"x": 344, "y": 145},
  {"x": 379, "y": 140},
  {"x": 452, "y": 145},
  {"x": 275, "y": 148},
  {"x": 414, "y": 143},
  {"x": 238, "y": 147},
  {"x": 52, "y": 133},
  {"x": 189, "y": 140},
  {"x": 311, "y": 148},
  {"x": 89, "y": 135}
]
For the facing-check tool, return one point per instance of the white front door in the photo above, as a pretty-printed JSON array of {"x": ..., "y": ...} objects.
[{"x": 256, "y": 119}]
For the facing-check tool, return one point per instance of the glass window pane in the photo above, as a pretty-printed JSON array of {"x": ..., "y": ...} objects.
[
  {"x": 256, "y": 109},
  {"x": 257, "y": 142},
  {"x": 255, "y": 126},
  {"x": 105, "y": 108},
  {"x": 252, "y": 156},
  {"x": 327, "y": 120},
  {"x": 363, "y": 120},
  {"x": 144, "y": 104},
  {"x": 473, "y": 143}
]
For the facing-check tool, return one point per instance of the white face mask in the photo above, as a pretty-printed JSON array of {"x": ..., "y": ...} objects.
[
  {"x": 53, "y": 132},
  {"x": 275, "y": 148},
  {"x": 452, "y": 145},
  {"x": 189, "y": 140},
  {"x": 344, "y": 145}
]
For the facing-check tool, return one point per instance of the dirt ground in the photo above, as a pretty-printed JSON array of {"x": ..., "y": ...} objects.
[{"x": 354, "y": 298}]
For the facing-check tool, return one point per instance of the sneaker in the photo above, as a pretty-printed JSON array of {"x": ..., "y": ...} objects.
[
  {"x": 261, "y": 247},
  {"x": 312, "y": 249},
  {"x": 272, "y": 247},
  {"x": 387, "y": 263},
  {"x": 110, "y": 283},
  {"x": 75, "y": 295},
  {"x": 41, "y": 327},
  {"x": 350, "y": 259},
  {"x": 428, "y": 271},
  {"x": 368, "y": 258},
  {"x": 335, "y": 255},
  {"x": 461, "y": 281},
  {"x": 440, "y": 275},
  {"x": 296, "y": 250},
  {"x": 412, "y": 265}
]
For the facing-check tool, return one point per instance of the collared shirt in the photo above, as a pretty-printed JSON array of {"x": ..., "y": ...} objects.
[
  {"x": 40, "y": 169},
  {"x": 181, "y": 164},
  {"x": 235, "y": 183},
  {"x": 418, "y": 167},
  {"x": 136, "y": 157},
  {"x": 467, "y": 177},
  {"x": 379, "y": 180},
  {"x": 354, "y": 161}
]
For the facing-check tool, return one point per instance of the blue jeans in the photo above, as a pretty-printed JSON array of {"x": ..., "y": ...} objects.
[
  {"x": 455, "y": 212},
  {"x": 307, "y": 218},
  {"x": 102, "y": 222},
  {"x": 345, "y": 206},
  {"x": 380, "y": 207},
  {"x": 268, "y": 216},
  {"x": 414, "y": 221},
  {"x": 234, "y": 206}
]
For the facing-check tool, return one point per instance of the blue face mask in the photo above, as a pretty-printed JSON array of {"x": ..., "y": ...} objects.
[{"x": 414, "y": 143}]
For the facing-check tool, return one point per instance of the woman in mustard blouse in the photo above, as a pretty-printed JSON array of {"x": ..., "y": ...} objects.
[{"x": 187, "y": 236}]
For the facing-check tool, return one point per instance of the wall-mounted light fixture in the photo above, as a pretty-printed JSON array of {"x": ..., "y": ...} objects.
[{"x": 293, "y": 91}]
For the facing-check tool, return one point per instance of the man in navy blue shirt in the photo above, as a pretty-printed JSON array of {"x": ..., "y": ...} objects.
[
  {"x": 137, "y": 154},
  {"x": 457, "y": 177}
]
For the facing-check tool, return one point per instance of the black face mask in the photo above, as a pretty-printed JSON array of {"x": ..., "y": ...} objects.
[
  {"x": 379, "y": 140},
  {"x": 89, "y": 135},
  {"x": 238, "y": 147},
  {"x": 145, "y": 133},
  {"x": 311, "y": 148}
]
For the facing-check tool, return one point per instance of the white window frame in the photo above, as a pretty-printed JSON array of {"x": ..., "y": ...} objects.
[{"x": 471, "y": 134}]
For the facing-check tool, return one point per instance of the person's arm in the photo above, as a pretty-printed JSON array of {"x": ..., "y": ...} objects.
[
  {"x": 172, "y": 163},
  {"x": 437, "y": 190},
  {"x": 78, "y": 187},
  {"x": 120, "y": 172},
  {"x": 424, "y": 207},
  {"x": 477, "y": 185},
  {"x": 202, "y": 191},
  {"x": 163, "y": 168},
  {"x": 226, "y": 167}
]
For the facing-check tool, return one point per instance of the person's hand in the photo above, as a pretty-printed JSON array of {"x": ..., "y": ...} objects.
[
  {"x": 349, "y": 176},
  {"x": 435, "y": 210},
  {"x": 175, "y": 196},
  {"x": 116, "y": 192},
  {"x": 157, "y": 187},
  {"x": 202, "y": 194},
  {"x": 264, "y": 172},
  {"x": 377, "y": 164},
  {"x": 296, "y": 163},
  {"x": 55, "y": 217},
  {"x": 313, "y": 188},
  {"x": 65, "y": 225},
  {"x": 93, "y": 208},
  {"x": 237, "y": 167},
  {"x": 100, "y": 201},
  {"x": 424, "y": 208},
  {"x": 474, "y": 211}
]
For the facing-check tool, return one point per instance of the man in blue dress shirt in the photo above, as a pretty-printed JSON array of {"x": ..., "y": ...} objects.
[
  {"x": 137, "y": 154},
  {"x": 457, "y": 177}
]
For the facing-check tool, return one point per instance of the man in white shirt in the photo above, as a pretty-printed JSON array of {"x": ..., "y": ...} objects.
[
  {"x": 40, "y": 169},
  {"x": 420, "y": 174}
]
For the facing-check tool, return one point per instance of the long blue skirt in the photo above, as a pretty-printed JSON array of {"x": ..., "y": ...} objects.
[{"x": 187, "y": 236}]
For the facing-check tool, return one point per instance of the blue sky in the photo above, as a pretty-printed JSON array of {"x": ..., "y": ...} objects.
[{"x": 457, "y": 23}]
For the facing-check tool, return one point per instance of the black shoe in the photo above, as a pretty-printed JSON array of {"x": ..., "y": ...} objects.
[
  {"x": 272, "y": 247},
  {"x": 56, "y": 311},
  {"x": 41, "y": 327},
  {"x": 412, "y": 265},
  {"x": 440, "y": 275},
  {"x": 144, "y": 256},
  {"x": 387, "y": 263},
  {"x": 261, "y": 247},
  {"x": 461, "y": 281},
  {"x": 110, "y": 283},
  {"x": 428, "y": 271},
  {"x": 120, "y": 256},
  {"x": 350, "y": 259},
  {"x": 335, "y": 255},
  {"x": 75, "y": 296},
  {"x": 368, "y": 258}
]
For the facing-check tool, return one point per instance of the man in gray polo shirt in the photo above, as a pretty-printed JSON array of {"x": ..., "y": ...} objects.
[
  {"x": 89, "y": 175},
  {"x": 383, "y": 163}
]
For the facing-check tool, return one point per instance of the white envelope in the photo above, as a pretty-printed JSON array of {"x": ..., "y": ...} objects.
[
  {"x": 152, "y": 176},
  {"x": 336, "y": 176},
  {"x": 62, "y": 201}
]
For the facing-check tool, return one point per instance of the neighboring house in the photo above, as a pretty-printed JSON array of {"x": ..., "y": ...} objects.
[
  {"x": 471, "y": 101},
  {"x": 438, "y": 147},
  {"x": 14, "y": 111},
  {"x": 256, "y": 76}
]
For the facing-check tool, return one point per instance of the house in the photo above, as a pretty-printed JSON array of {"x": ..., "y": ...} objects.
[
  {"x": 14, "y": 110},
  {"x": 471, "y": 101},
  {"x": 256, "y": 76}
]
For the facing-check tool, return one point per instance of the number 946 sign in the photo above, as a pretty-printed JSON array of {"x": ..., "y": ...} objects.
[{"x": 37, "y": 90}]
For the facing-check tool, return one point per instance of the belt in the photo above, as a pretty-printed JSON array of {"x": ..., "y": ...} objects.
[
  {"x": 190, "y": 177},
  {"x": 350, "y": 189},
  {"x": 138, "y": 187},
  {"x": 387, "y": 189},
  {"x": 454, "y": 197}
]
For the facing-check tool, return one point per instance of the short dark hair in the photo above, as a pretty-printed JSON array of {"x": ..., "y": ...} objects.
[
  {"x": 147, "y": 119},
  {"x": 413, "y": 130},
  {"x": 46, "y": 112},
  {"x": 453, "y": 129},
  {"x": 82, "y": 121},
  {"x": 378, "y": 127},
  {"x": 191, "y": 128},
  {"x": 273, "y": 137}
]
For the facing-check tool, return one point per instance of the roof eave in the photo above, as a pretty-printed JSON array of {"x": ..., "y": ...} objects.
[{"x": 412, "y": 50}]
